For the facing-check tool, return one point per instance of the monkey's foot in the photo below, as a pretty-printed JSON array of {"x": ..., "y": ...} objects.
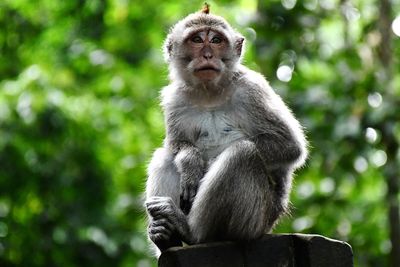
[
  {"x": 167, "y": 220},
  {"x": 164, "y": 244},
  {"x": 161, "y": 230}
]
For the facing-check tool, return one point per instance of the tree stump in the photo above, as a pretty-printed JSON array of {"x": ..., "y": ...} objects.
[{"x": 272, "y": 250}]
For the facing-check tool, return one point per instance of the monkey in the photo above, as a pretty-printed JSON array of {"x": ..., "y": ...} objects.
[{"x": 225, "y": 169}]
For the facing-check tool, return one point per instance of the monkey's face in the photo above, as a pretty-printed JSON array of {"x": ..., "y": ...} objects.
[
  {"x": 206, "y": 50},
  {"x": 203, "y": 49}
]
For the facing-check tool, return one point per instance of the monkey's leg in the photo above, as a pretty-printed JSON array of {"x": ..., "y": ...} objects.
[
  {"x": 163, "y": 182},
  {"x": 235, "y": 200}
]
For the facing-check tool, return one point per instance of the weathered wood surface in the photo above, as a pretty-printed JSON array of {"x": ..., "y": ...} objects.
[{"x": 273, "y": 250}]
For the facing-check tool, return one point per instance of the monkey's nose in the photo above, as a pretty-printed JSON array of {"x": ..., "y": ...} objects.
[{"x": 207, "y": 55}]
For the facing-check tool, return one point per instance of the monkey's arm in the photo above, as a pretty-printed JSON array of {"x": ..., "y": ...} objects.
[
  {"x": 275, "y": 133},
  {"x": 167, "y": 223},
  {"x": 191, "y": 168},
  {"x": 280, "y": 144},
  {"x": 187, "y": 157}
]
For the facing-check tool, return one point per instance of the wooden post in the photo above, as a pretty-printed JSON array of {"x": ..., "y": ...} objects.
[{"x": 270, "y": 251}]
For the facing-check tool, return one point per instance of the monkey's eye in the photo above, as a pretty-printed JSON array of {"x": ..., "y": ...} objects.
[
  {"x": 216, "y": 40},
  {"x": 196, "y": 39}
]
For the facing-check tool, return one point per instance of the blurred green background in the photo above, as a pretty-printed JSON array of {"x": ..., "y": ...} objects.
[{"x": 79, "y": 119}]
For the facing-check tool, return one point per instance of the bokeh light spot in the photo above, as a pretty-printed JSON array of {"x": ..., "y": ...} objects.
[
  {"x": 4, "y": 209},
  {"x": 344, "y": 228},
  {"x": 327, "y": 185},
  {"x": 3, "y": 229},
  {"x": 396, "y": 26},
  {"x": 375, "y": 100},
  {"x": 284, "y": 73},
  {"x": 288, "y": 4},
  {"x": 305, "y": 189},
  {"x": 379, "y": 158},
  {"x": 360, "y": 164},
  {"x": 302, "y": 223},
  {"x": 385, "y": 246},
  {"x": 371, "y": 135}
]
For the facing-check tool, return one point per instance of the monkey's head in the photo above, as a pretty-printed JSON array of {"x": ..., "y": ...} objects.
[{"x": 203, "y": 49}]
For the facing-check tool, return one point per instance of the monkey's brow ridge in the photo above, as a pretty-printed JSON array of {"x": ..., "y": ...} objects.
[{"x": 205, "y": 21}]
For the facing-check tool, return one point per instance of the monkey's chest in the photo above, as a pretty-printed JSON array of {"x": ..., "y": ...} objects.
[{"x": 216, "y": 131}]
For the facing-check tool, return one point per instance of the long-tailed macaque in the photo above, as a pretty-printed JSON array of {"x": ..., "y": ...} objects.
[{"x": 231, "y": 147}]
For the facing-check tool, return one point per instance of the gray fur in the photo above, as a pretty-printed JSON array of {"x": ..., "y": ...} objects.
[{"x": 231, "y": 148}]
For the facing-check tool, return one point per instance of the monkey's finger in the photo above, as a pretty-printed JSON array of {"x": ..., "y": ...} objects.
[
  {"x": 185, "y": 207},
  {"x": 186, "y": 193},
  {"x": 153, "y": 199},
  {"x": 185, "y": 196},
  {"x": 165, "y": 222},
  {"x": 164, "y": 231},
  {"x": 156, "y": 210},
  {"x": 157, "y": 217},
  {"x": 192, "y": 194},
  {"x": 155, "y": 229},
  {"x": 182, "y": 197},
  {"x": 158, "y": 200},
  {"x": 159, "y": 211},
  {"x": 153, "y": 208},
  {"x": 158, "y": 237}
]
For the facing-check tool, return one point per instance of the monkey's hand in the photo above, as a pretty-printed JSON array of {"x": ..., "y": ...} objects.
[
  {"x": 188, "y": 193},
  {"x": 191, "y": 167},
  {"x": 168, "y": 225}
]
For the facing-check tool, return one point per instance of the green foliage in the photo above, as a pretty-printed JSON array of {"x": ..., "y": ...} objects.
[{"x": 79, "y": 119}]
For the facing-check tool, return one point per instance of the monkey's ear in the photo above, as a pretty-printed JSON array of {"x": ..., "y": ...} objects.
[{"x": 239, "y": 46}]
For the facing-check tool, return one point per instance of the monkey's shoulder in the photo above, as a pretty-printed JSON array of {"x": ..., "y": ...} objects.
[
  {"x": 253, "y": 90},
  {"x": 252, "y": 77},
  {"x": 252, "y": 83},
  {"x": 168, "y": 95}
]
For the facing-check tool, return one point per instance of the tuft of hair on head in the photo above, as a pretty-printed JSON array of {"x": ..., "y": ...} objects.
[{"x": 206, "y": 8}]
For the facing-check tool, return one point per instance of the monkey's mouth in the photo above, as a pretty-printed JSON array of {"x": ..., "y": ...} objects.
[{"x": 207, "y": 68}]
